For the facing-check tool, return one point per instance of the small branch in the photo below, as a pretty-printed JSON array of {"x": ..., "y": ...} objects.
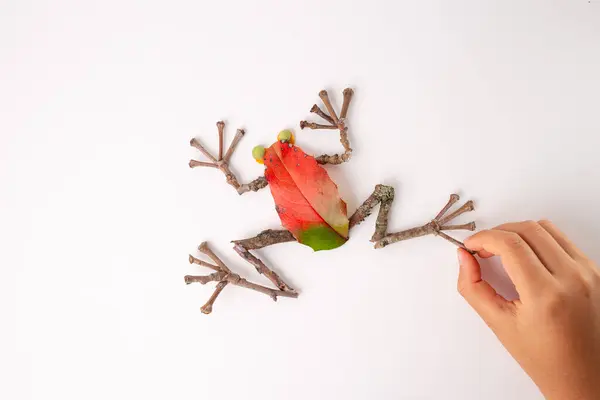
[
  {"x": 336, "y": 123},
  {"x": 224, "y": 276},
  {"x": 315, "y": 109},
  {"x": 266, "y": 238},
  {"x": 207, "y": 308},
  {"x": 313, "y": 125},
  {"x": 469, "y": 227},
  {"x": 325, "y": 98},
  {"x": 262, "y": 269},
  {"x": 468, "y": 206},
  {"x": 272, "y": 293},
  {"x": 194, "y": 260},
  {"x": 412, "y": 233},
  {"x": 453, "y": 199},
  {"x": 223, "y": 162},
  {"x": 203, "y": 248},
  {"x": 214, "y": 277},
  {"x": 220, "y": 126},
  {"x": 435, "y": 227},
  {"x": 334, "y": 159},
  {"x": 236, "y": 139},
  {"x": 348, "y": 92},
  {"x": 196, "y": 143},
  {"x": 254, "y": 186},
  {"x": 194, "y": 164},
  {"x": 382, "y": 195},
  {"x": 455, "y": 242}
]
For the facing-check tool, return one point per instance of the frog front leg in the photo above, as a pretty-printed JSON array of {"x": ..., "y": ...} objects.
[
  {"x": 222, "y": 161},
  {"x": 333, "y": 122}
]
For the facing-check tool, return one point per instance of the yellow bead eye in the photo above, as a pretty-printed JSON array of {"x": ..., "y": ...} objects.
[
  {"x": 258, "y": 153},
  {"x": 286, "y": 136}
]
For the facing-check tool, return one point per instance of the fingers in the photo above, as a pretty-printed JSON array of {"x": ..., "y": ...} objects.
[
  {"x": 563, "y": 241},
  {"x": 522, "y": 264},
  {"x": 478, "y": 293},
  {"x": 546, "y": 248}
]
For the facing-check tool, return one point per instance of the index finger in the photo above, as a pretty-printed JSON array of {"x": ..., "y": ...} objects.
[{"x": 522, "y": 264}]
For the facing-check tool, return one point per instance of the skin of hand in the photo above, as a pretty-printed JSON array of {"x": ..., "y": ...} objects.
[{"x": 553, "y": 330}]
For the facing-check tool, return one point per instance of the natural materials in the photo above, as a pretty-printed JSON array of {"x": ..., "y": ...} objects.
[{"x": 308, "y": 203}]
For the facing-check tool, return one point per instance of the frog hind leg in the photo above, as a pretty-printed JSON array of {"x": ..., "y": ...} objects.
[
  {"x": 263, "y": 239},
  {"x": 224, "y": 277},
  {"x": 384, "y": 196}
]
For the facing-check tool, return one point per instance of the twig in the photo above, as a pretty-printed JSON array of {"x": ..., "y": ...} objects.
[
  {"x": 223, "y": 162},
  {"x": 313, "y": 125},
  {"x": 203, "y": 248},
  {"x": 325, "y": 99},
  {"x": 253, "y": 186},
  {"x": 317, "y": 110},
  {"x": 336, "y": 123},
  {"x": 220, "y": 127},
  {"x": 266, "y": 238},
  {"x": 224, "y": 276},
  {"x": 236, "y": 139},
  {"x": 383, "y": 195},
  {"x": 348, "y": 92},
  {"x": 435, "y": 227},
  {"x": 207, "y": 308},
  {"x": 194, "y": 164},
  {"x": 214, "y": 277},
  {"x": 262, "y": 269},
  {"x": 194, "y": 260}
]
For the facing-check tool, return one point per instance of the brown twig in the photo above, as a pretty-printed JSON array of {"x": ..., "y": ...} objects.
[
  {"x": 194, "y": 164},
  {"x": 220, "y": 127},
  {"x": 263, "y": 239},
  {"x": 223, "y": 161},
  {"x": 253, "y": 186},
  {"x": 317, "y": 110},
  {"x": 383, "y": 195},
  {"x": 348, "y": 92},
  {"x": 207, "y": 308},
  {"x": 336, "y": 123},
  {"x": 194, "y": 260},
  {"x": 224, "y": 276},
  {"x": 266, "y": 238},
  {"x": 325, "y": 99},
  {"x": 239, "y": 134},
  {"x": 314, "y": 125},
  {"x": 262, "y": 269},
  {"x": 435, "y": 227}
]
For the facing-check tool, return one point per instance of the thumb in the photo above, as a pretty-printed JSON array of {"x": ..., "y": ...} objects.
[{"x": 478, "y": 293}]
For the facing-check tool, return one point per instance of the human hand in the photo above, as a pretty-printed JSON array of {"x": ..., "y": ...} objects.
[{"x": 553, "y": 330}]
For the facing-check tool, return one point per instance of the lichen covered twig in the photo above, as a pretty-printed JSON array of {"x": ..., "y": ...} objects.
[
  {"x": 222, "y": 162},
  {"x": 435, "y": 227},
  {"x": 333, "y": 123},
  {"x": 224, "y": 276}
]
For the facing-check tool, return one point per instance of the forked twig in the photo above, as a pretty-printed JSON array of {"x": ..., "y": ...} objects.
[
  {"x": 222, "y": 162},
  {"x": 224, "y": 276},
  {"x": 435, "y": 227},
  {"x": 334, "y": 123}
]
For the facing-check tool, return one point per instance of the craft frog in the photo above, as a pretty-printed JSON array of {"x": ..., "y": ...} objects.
[{"x": 307, "y": 202}]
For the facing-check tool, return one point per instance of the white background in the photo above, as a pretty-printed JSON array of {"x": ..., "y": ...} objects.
[{"x": 98, "y": 100}]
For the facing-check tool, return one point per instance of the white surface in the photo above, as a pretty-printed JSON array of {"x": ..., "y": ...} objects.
[{"x": 99, "y": 210}]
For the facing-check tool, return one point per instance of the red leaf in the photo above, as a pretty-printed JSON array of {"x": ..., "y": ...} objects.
[{"x": 306, "y": 199}]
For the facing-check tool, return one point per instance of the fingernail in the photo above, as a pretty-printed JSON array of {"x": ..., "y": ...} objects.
[{"x": 462, "y": 257}]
